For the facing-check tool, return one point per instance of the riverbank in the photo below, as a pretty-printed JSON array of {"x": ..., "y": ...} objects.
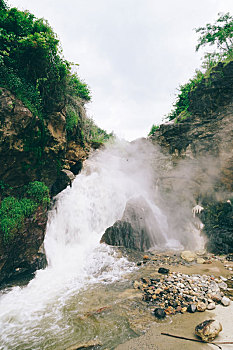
[{"x": 184, "y": 324}]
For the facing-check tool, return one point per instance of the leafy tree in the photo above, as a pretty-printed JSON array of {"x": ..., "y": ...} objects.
[
  {"x": 3, "y": 5},
  {"x": 219, "y": 34},
  {"x": 31, "y": 57}
]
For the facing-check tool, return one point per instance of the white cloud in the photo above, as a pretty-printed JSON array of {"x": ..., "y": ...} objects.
[{"x": 132, "y": 53}]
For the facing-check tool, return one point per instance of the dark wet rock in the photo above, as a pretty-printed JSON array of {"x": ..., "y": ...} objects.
[
  {"x": 25, "y": 253},
  {"x": 229, "y": 257},
  {"x": 218, "y": 226},
  {"x": 154, "y": 280},
  {"x": 64, "y": 179},
  {"x": 138, "y": 228},
  {"x": 192, "y": 308},
  {"x": 144, "y": 280},
  {"x": 208, "y": 330},
  {"x": 76, "y": 167},
  {"x": 159, "y": 313},
  {"x": 163, "y": 270}
]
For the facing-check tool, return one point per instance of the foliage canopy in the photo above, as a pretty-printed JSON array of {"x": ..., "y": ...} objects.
[
  {"x": 31, "y": 62},
  {"x": 220, "y": 34}
]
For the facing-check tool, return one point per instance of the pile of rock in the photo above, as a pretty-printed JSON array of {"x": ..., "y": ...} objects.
[
  {"x": 179, "y": 293},
  {"x": 185, "y": 258}
]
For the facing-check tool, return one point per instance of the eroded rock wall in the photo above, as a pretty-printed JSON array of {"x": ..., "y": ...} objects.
[
  {"x": 33, "y": 149},
  {"x": 201, "y": 149}
]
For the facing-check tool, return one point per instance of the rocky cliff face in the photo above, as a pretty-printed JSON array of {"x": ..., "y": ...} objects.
[
  {"x": 24, "y": 253},
  {"x": 33, "y": 149},
  {"x": 208, "y": 131},
  {"x": 204, "y": 142}
]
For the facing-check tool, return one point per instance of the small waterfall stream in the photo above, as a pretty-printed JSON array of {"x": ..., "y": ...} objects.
[{"x": 38, "y": 315}]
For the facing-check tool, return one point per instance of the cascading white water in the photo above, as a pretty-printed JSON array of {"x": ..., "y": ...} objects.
[{"x": 31, "y": 315}]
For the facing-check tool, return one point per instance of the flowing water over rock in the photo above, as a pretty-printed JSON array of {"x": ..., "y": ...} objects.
[{"x": 50, "y": 313}]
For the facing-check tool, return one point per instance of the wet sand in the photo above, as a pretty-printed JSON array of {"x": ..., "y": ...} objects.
[{"x": 183, "y": 325}]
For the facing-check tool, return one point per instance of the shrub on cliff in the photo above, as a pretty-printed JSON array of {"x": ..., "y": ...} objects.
[
  {"x": 182, "y": 101},
  {"x": 153, "y": 129},
  {"x": 220, "y": 34},
  {"x": 38, "y": 192},
  {"x": 31, "y": 62},
  {"x": 13, "y": 211}
]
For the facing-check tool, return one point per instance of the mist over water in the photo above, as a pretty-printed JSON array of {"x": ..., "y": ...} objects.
[{"x": 31, "y": 315}]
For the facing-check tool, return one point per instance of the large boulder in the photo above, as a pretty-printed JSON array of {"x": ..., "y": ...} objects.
[
  {"x": 138, "y": 229},
  {"x": 208, "y": 330},
  {"x": 24, "y": 252},
  {"x": 217, "y": 218},
  {"x": 64, "y": 179}
]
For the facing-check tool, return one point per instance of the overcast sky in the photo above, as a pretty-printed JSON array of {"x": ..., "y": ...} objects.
[{"x": 133, "y": 54}]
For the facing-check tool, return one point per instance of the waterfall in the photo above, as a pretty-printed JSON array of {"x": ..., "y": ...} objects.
[{"x": 31, "y": 315}]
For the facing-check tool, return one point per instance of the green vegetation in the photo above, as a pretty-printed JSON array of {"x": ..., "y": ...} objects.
[
  {"x": 33, "y": 68},
  {"x": 32, "y": 65},
  {"x": 182, "y": 101},
  {"x": 153, "y": 129},
  {"x": 38, "y": 192},
  {"x": 218, "y": 35},
  {"x": 95, "y": 134},
  {"x": 71, "y": 119},
  {"x": 13, "y": 211}
]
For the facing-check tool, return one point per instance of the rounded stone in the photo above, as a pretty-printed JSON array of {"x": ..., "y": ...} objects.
[
  {"x": 211, "y": 306},
  {"x": 208, "y": 330},
  {"x": 159, "y": 313},
  {"x": 188, "y": 256},
  {"x": 201, "y": 307},
  {"x": 225, "y": 301},
  {"x": 192, "y": 308}
]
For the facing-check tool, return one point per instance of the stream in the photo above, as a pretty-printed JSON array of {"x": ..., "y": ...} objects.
[{"x": 63, "y": 304}]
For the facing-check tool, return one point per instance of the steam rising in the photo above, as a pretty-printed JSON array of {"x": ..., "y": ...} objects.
[{"x": 111, "y": 178}]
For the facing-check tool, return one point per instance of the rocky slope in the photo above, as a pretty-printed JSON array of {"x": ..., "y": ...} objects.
[
  {"x": 31, "y": 148},
  {"x": 203, "y": 144},
  {"x": 34, "y": 149}
]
